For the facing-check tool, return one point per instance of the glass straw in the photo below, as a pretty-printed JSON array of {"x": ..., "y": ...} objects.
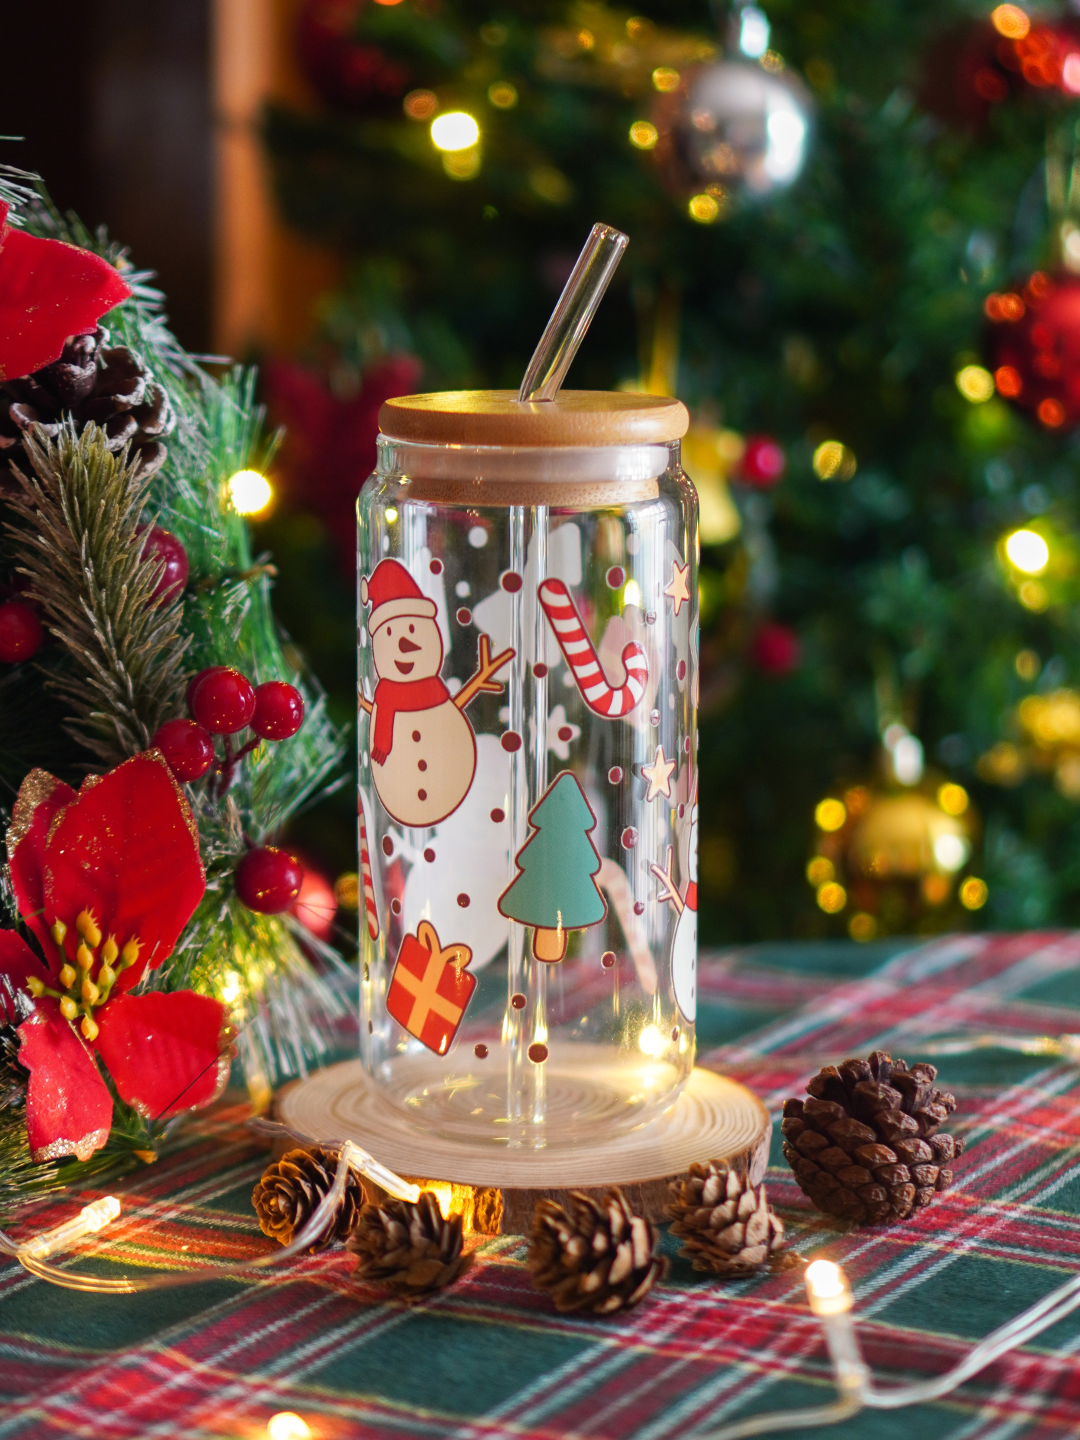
[
  {"x": 573, "y": 314},
  {"x": 547, "y": 369}
]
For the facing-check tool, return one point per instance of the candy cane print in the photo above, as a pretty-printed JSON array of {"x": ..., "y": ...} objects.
[
  {"x": 599, "y": 694},
  {"x": 370, "y": 911}
]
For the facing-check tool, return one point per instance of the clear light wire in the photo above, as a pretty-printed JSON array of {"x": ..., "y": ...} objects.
[
  {"x": 351, "y": 1157},
  {"x": 863, "y": 1395}
]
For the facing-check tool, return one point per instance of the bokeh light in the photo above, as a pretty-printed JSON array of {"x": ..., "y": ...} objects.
[
  {"x": 833, "y": 461},
  {"x": 704, "y": 208},
  {"x": 953, "y": 799},
  {"x": 973, "y": 893},
  {"x": 975, "y": 384},
  {"x": 455, "y": 130},
  {"x": 1010, "y": 21},
  {"x": 832, "y": 898},
  {"x": 249, "y": 492},
  {"x": 665, "y": 79},
  {"x": 287, "y": 1425},
  {"x": 643, "y": 135},
  {"x": 503, "y": 95},
  {"x": 1027, "y": 551},
  {"x": 830, "y": 814}
]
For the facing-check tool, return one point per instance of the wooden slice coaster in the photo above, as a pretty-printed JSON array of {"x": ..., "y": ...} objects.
[{"x": 713, "y": 1119}]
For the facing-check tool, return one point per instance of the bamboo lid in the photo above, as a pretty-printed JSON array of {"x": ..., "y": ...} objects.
[{"x": 497, "y": 417}]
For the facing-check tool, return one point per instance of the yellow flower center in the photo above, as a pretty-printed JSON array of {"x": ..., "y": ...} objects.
[{"x": 80, "y": 993}]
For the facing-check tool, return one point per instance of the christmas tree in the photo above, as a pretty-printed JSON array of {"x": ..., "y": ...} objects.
[
  {"x": 554, "y": 890},
  {"x": 836, "y": 213}
]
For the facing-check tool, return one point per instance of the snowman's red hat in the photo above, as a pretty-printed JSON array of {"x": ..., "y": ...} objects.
[{"x": 392, "y": 592}]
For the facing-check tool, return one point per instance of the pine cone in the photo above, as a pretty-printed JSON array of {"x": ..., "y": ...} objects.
[
  {"x": 290, "y": 1189},
  {"x": 15, "y": 1007},
  {"x": 409, "y": 1247},
  {"x": 92, "y": 382},
  {"x": 866, "y": 1146},
  {"x": 593, "y": 1254},
  {"x": 725, "y": 1226}
]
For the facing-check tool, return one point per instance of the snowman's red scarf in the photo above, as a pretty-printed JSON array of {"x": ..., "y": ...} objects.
[{"x": 394, "y": 695}]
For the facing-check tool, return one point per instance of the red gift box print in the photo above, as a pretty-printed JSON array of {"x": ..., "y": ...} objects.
[{"x": 430, "y": 988}]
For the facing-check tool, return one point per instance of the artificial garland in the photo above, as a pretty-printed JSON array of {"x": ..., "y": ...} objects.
[{"x": 125, "y": 571}]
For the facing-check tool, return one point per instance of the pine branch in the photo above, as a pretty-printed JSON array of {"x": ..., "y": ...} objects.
[{"x": 76, "y": 539}]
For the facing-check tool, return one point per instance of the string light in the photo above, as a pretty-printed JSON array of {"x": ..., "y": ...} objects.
[
  {"x": 454, "y": 130},
  {"x": 502, "y": 95},
  {"x": 249, "y": 492},
  {"x": 90, "y": 1219},
  {"x": 665, "y": 79},
  {"x": 1027, "y": 551},
  {"x": 287, "y": 1425},
  {"x": 420, "y": 104},
  {"x": 830, "y": 1300}
]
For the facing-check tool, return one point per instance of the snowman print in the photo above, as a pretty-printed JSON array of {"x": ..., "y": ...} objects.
[
  {"x": 684, "y": 941},
  {"x": 423, "y": 751}
]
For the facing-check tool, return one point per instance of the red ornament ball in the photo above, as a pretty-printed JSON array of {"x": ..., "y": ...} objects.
[
  {"x": 163, "y": 545},
  {"x": 279, "y": 710},
  {"x": 1033, "y": 347},
  {"x": 222, "y": 699},
  {"x": 188, "y": 748},
  {"x": 763, "y": 462},
  {"x": 268, "y": 880},
  {"x": 20, "y": 632},
  {"x": 775, "y": 649}
]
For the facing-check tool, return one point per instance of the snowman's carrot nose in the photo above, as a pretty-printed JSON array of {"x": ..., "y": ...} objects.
[
  {"x": 573, "y": 314},
  {"x": 406, "y": 645}
]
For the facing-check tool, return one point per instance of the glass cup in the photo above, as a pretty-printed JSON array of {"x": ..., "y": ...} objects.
[{"x": 527, "y": 685}]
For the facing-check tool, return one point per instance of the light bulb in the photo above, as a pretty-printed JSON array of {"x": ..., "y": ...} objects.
[
  {"x": 286, "y": 1425},
  {"x": 249, "y": 492},
  {"x": 456, "y": 130},
  {"x": 1027, "y": 551},
  {"x": 827, "y": 1288}
]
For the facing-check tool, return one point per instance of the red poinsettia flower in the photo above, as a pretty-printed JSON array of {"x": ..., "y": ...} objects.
[
  {"x": 49, "y": 290},
  {"x": 107, "y": 879}
]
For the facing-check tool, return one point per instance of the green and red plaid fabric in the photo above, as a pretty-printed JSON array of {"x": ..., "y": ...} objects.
[{"x": 490, "y": 1358}]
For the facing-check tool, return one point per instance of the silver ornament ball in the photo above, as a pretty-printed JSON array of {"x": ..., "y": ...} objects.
[{"x": 740, "y": 126}]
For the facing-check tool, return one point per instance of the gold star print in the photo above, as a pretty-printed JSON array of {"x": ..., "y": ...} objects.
[
  {"x": 679, "y": 588},
  {"x": 658, "y": 774}
]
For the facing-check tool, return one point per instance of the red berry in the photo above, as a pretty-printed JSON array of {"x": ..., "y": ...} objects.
[
  {"x": 775, "y": 649},
  {"x": 196, "y": 680},
  {"x": 20, "y": 632},
  {"x": 268, "y": 880},
  {"x": 279, "y": 710},
  {"x": 223, "y": 700},
  {"x": 163, "y": 545},
  {"x": 763, "y": 462},
  {"x": 188, "y": 748}
]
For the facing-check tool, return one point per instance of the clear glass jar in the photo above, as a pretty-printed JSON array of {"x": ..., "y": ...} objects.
[{"x": 527, "y": 669}]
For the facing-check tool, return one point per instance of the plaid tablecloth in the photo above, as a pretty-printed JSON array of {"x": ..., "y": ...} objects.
[{"x": 490, "y": 1358}]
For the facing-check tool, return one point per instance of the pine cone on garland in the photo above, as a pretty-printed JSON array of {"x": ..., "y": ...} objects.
[
  {"x": 15, "y": 1007},
  {"x": 865, "y": 1146},
  {"x": 593, "y": 1254},
  {"x": 725, "y": 1225},
  {"x": 92, "y": 382},
  {"x": 408, "y": 1246},
  {"x": 290, "y": 1190}
]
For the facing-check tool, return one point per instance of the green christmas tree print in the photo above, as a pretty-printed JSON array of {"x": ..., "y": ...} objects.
[{"x": 554, "y": 890}]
